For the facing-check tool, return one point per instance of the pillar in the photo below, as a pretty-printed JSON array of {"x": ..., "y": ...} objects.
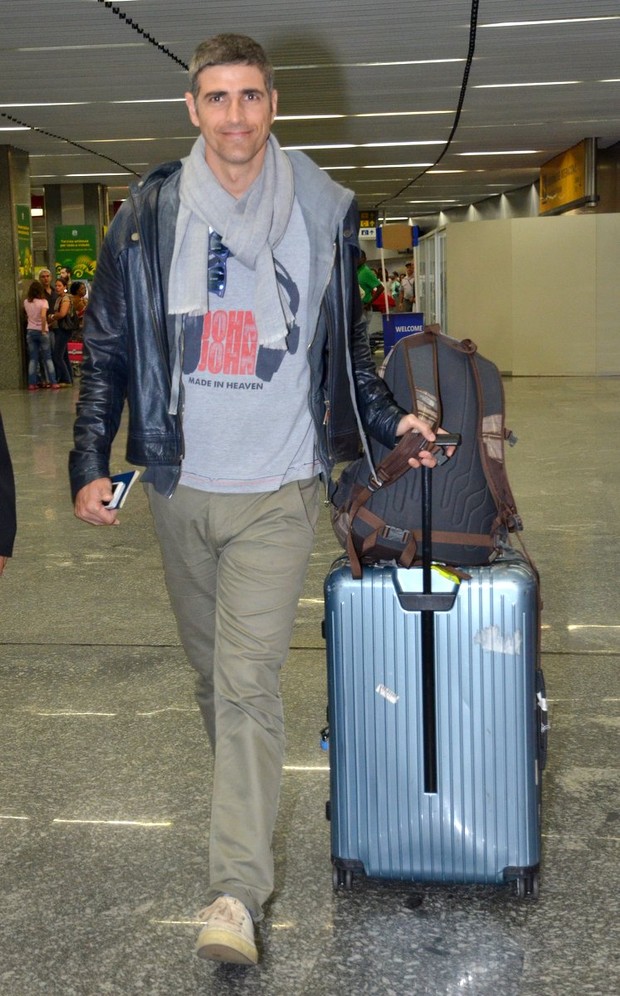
[{"x": 14, "y": 190}]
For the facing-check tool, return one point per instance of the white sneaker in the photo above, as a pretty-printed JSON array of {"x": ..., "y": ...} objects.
[{"x": 228, "y": 933}]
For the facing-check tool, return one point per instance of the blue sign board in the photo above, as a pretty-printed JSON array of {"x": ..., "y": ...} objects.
[{"x": 400, "y": 324}]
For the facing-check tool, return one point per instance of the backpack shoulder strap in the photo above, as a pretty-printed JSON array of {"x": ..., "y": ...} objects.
[{"x": 491, "y": 436}]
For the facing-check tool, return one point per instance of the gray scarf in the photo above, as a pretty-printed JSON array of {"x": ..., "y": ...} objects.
[{"x": 250, "y": 227}]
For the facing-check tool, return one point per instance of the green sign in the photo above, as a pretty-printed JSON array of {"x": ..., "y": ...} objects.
[
  {"x": 76, "y": 248},
  {"x": 24, "y": 240}
]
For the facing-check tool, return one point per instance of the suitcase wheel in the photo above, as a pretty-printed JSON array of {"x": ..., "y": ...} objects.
[
  {"x": 342, "y": 878},
  {"x": 527, "y": 886}
]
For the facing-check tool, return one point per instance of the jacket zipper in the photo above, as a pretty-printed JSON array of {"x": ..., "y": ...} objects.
[{"x": 326, "y": 402}]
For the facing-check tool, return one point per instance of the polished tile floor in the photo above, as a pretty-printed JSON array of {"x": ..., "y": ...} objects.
[{"x": 105, "y": 771}]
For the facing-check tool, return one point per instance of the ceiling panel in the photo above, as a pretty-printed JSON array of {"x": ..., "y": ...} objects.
[{"x": 348, "y": 58}]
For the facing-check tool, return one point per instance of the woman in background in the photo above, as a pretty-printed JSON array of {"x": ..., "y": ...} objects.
[
  {"x": 38, "y": 337},
  {"x": 61, "y": 324}
]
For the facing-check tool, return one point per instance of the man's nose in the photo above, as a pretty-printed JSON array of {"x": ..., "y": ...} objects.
[{"x": 237, "y": 109}]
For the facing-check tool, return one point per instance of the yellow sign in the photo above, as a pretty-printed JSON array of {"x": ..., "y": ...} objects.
[
  {"x": 563, "y": 180},
  {"x": 397, "y": 237},
  {"x": 368, "y": 219}
]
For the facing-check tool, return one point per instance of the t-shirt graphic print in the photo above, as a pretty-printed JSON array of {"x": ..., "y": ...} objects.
[{"x": 246, "y": 420}]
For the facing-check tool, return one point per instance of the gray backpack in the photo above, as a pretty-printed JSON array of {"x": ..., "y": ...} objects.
[{"x": 377, "y": 509}]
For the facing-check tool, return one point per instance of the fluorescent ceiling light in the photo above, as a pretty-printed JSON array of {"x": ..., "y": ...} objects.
[
  {"x": 308, "y": 117},
  {"x": 368, "y": 114},
  {"x": 361, "y": 145},
  {"x": 397, "y": 166},
  {"x": 388, "y": 145},
  {"x": 79, "y": 48},
  {"x": 298, "y": 148},
  {"x": 117, "y": 141},
  {"x": 15, "y": 128},
  {"x": 396, "y": 114},
  {"x": 99, "y": 173},
  {"x": 435, "y": 200},
  {"x": 152, "y": 100},
  {"x": 365, "y": 65},
  {"x": 503, "y": 152},
  {"x": 554, "y": 20},
  {"x": 506, "y": 86},
  {"x": 59, "y": 103}
]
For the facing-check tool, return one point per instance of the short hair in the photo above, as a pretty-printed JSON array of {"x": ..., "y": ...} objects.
[
  {"x": 45, "y": 270},
  {"x": 227, "y": 50},
  {"x": 75, "y": 287}
]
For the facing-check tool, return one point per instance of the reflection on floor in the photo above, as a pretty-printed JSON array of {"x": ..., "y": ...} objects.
[{"x": 105, "y": 771}]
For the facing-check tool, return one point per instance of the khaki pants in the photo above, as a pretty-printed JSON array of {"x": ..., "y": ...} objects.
[{"x": 234, "y": 567}]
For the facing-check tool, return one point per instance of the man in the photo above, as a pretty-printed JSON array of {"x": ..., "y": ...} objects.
[
  {"x": 407, "y": 289},
  {"x": 370, "y": 286},
  {"x": 45, "y": 278},
  {"x": 223, "y": 309},
  {"x": 8, "y": 517}
]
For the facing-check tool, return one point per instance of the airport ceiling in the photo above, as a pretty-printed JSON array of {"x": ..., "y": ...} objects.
[{"x": 93, "y": 90}]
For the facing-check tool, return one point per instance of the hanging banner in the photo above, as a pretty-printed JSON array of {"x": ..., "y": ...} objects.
[
  {"x": 24, "y": 240},
  {"x": 75, "y": 246}
]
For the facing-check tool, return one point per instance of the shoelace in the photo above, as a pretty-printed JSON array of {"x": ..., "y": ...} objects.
[{"x": 231, "y": 912}]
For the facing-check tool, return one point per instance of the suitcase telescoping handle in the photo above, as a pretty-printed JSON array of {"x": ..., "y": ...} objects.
[{"x": 429, "y": 696}]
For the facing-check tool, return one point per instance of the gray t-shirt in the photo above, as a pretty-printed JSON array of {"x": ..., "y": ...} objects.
[{"x": 246, "y": 417}]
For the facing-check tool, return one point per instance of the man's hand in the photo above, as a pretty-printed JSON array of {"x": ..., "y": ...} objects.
[
  {"x": 89, "y": 503},
  {"x": 411, "y": 423}
]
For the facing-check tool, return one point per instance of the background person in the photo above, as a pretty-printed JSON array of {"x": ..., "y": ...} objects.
[
  {"x": 407, "y": 289},
  {"x": 60, "y": 326},
  {"x": 37, "y": 336}
]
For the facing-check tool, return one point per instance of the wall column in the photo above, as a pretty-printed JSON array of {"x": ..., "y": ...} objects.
[{"x": 14, "y": 190}]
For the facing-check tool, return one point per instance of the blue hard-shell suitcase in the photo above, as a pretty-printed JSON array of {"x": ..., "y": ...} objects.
[{"x": 435, "y": 775}]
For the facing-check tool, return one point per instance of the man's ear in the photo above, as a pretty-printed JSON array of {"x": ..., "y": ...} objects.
[
  {"x": 274, "y": 104},
  {"x": 191, "y": 108}
]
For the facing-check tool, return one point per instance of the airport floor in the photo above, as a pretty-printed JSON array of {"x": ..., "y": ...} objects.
[{"x": 105, "y": 772}]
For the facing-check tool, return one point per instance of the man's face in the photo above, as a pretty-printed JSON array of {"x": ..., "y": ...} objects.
[
  {"x": 234, "y": 113},
  {"x": 46, "y": 279}
]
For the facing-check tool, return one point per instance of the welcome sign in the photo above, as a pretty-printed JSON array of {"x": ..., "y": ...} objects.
[{"x": 397, "y": 326}]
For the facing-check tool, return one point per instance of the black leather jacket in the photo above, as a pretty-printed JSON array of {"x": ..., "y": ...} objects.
[{"x": 130, "y": 340}]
